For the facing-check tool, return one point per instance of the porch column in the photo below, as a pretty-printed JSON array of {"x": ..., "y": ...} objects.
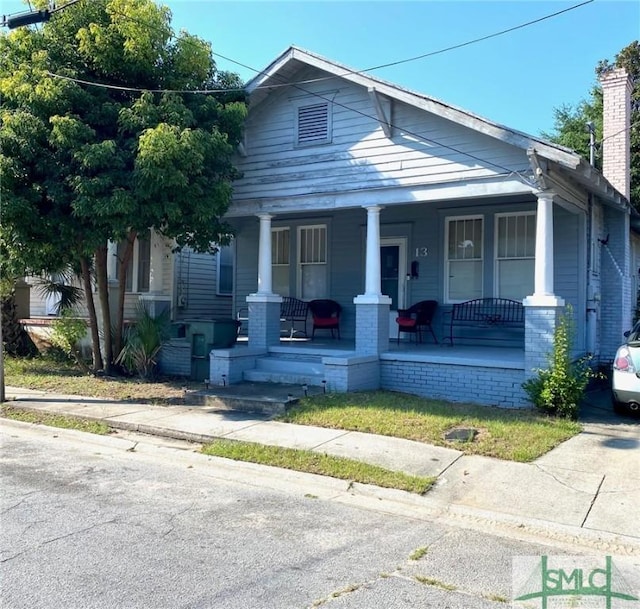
[
  {"x": 372, "y": 272},
  {"x": 264, "y": 305},
  {"x": 112, "y": 281},
  {"x": 543, "y": 307},
  {"x": 112, "y": 259},
  {"x": 372, "y": 307},
  {"x": 156, "y": 300},
  {"x": 157, "y": 258},
  {"x": 265, "y": 283}
]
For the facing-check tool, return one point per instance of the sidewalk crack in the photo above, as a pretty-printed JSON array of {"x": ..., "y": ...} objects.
[
  {"x": 562, "y": 482},
  {"x": 342, "y": 435},
  {"x": 593, "y": 501}
]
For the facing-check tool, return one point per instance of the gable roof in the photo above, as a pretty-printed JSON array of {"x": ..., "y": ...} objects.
[{"x": 280, "y": 72}]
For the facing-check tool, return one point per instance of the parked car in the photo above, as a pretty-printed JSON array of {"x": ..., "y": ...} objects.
[{"x": 626, "y": 374}]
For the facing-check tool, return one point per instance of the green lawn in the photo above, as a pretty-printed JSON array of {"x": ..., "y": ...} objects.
[
  {"x": 318, "y": 463},
  {"x": 65, "y": 377},
  {"x": 55, "y": 420},
  {"x": 516, "y": 435}
]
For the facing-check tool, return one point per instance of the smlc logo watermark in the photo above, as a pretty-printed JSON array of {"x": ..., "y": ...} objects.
[{"x": 576, "y": 582}]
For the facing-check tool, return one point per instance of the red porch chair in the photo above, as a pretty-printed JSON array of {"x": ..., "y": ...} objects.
[
  {"x": 416, "y": 318},
  {"x": 326, "y": 315}
]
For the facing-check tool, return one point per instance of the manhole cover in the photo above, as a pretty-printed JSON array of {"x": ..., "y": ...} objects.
[{"x": 461, "y": 434}]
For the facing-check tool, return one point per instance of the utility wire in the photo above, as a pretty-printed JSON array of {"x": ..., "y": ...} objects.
[
  {"x": 348, "y": 71},
  {"x": 297, "y": 85},
  {"x": 481, "y": 39},
  {"x": 102, "y": 85},
  {"x": 631, "y": 126}
]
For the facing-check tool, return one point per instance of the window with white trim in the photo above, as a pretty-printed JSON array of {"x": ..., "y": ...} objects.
[
  {"x": 464, "y": 258},
  {"x": 312, "y": 261},
  {"x": 224, "y": 262},
  {"x": 515, "y": 255},
  {"x": 139, "y": 268},
  {"x": 313, "y": 124},
  {"x": 280, "y": 261}
]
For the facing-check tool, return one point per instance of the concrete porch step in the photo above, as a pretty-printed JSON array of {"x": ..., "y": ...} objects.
[
  {"x": 292, "y": 366},
  {"x": 267, "y": 399},
  {"x": 281, "y": 376}
]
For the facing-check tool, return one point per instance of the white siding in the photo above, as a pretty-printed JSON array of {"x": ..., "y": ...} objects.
[
  {"x": 359, "y": 155},
  {"x": 196, "y": 288}
]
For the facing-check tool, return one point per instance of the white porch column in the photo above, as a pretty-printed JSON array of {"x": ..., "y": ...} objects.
[
  {"x": 157, "y": 300},
  {"x": 112, "y": 259},
  {"x": 264, "y": 305},
  {"x": 372, "y": 307},
  {"x": 265, "y": 282},
  {"x": 543, "y": 307},
  {"x": 543, "y": 294},
  {"x": 157, "y": 251},
  {"x": 373, "y": 275}
]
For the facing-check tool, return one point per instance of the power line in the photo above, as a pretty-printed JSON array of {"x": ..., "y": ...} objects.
[
  {"x": 481, "y": 39},
  {"x": 102, "y": 85},
  {"x": 349, "y": 71},
  {"x": 424, "y": 55},
  {"x": 631, "y": 126},
  {"x": 297, "y": 85}
]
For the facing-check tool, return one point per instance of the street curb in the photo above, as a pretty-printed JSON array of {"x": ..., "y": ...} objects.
[
  {"x": 403, "y": 504},
  {"x": 413, "y": 506}
]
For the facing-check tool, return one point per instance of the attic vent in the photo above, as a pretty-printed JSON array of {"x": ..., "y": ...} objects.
[{"x": 313, "y": 124}]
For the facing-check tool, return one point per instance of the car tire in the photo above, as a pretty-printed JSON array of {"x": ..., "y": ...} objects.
[{"x": 618, "y": 407}]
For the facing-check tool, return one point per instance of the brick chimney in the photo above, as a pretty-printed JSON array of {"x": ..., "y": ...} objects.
[{"x": 616, "y": 136}]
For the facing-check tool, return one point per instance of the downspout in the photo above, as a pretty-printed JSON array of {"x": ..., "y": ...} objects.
[{"x": 592, "y": 296}]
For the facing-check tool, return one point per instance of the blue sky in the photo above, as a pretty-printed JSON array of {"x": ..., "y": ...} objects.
[{"x": 515, "y": 79}]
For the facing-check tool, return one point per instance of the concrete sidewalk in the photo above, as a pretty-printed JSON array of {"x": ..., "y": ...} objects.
[{"x": 588, "y": 487}]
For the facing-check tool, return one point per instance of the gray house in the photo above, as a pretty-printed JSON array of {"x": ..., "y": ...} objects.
[{"x": 362, "y": 192}]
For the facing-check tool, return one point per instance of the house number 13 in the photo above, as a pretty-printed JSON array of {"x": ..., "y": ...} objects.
[{"x": 421, "y": 252}]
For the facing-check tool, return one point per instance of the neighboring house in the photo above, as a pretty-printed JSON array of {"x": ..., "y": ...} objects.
[
  {"x": 191, "y": 285},
  {"x": 377, "y": 197}
]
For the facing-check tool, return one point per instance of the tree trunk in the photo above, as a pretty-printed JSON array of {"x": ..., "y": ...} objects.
[
  {"x": 103, "y": 295},
  {"x": 123, "y": 269},
  {"x": 93, "y": 318}
]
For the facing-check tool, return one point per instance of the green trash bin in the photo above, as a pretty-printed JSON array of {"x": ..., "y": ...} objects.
[{"x": 205, "y": 335}]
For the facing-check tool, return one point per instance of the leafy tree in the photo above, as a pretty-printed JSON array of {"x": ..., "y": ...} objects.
[
  {"x": 570, "y": 122},
  {"x": 85, "y": 163}
]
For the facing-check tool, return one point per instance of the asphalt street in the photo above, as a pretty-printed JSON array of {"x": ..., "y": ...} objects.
[{"x": 133, "y": 522}]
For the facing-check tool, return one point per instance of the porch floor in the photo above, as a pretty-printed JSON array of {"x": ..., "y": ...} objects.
[{"x": 460, "y": 355}]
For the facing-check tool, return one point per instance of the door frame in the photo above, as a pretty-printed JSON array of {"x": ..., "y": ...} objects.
[{"x": 402, "y": 243}]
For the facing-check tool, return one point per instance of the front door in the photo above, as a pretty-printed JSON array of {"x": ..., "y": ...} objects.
[{"x": 393, "y": 269}]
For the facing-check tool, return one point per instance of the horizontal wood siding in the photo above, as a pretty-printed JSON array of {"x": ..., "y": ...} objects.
[
  {"x": 196, "y": 282},
  {"x": 246, "y": 277},
  {"x": 424, "y": 148},
  {"x": 569, "y": 269},
  {"x": 346, "y": 264}
]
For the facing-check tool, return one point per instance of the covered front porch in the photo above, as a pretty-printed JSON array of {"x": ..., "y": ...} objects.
[{"x": 368, "y": 357}]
